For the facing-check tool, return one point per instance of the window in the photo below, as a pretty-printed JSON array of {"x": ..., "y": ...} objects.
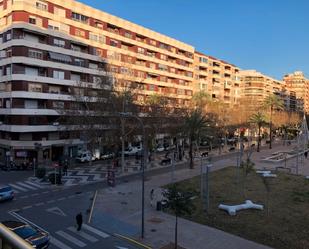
[
  {"x": 8, "y": 70},
  {"x": 76, "y": 48},
  {"x": 141, "y": 50},
  {"x": 163, "y": 57},
  {"x": 8, "y": 36},
  {"x": 93, "y": 37},
  {"x": 79, "y": 62},
  {"x": 80, "y": 33},
  {"x": 113, "y": 43},
  {"x": 58, "y": 104},
  {"x": 79, "y": 17},
  {"x": 152, "y": 65},
  {"x": 54, "y": 89},
  {"x": 41, "y": 5},
  {"x": 53, "y": 27},
  {"x": 203, "y": 60},
  {"x": 32, "y": 87},
  {"x": 32, "y": 20},
  {"x": 128, "y": 34},
  {"x": 35, "y": 54},
  {"x": 153, "y": 42},
  {"x": 59, "y": 11},
  {"x": 151, "y": 87},
  {"x": 59, "y": 43},
  {"x": 58, "y": 75},
  {"x": 163, "y": 67}
]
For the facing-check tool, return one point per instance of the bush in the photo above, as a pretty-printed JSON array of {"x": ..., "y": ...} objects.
[
  {"x": 51, "y": 178},
  {"x": 40, "y": 173}
]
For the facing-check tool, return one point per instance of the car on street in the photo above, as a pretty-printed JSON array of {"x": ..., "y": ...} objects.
[
  {"x": 131, "y": 151},
  {"x": 34, "y": 236},
  {"x": 160, "y": 148},
  {"x": 84, "y": 157},
  {"x": 6, "y": 193},
  {"x": 108, "y": 155}
]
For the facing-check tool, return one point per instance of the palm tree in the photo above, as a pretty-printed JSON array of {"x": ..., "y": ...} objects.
[
  {"x": 194, "y": 124},
  {"x": 259, "y": 119},
  {"x": 273, "y": 102},
  {"x": 179, "y": 202}
]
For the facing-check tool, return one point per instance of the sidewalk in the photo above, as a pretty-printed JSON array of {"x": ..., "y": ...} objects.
[{"x": 118, "y": 210}]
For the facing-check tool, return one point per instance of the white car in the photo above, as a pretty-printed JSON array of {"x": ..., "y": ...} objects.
[
  {"x": 160, "y": 148},
  {"x": 84, "y": 157},
  {"x": 132, "y": 151},
  {"x": 6, "y": 193}
]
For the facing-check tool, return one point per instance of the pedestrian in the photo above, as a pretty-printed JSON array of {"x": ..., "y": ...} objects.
[
  {"x": 151, "y": 197},
  {"x": 79, "y": 221},
  {"x": 65, "y": 167},
  {"x": 306, "y": 154}
]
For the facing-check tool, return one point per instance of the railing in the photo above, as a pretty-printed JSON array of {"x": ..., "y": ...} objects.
[{"x": 10, "y": 240}]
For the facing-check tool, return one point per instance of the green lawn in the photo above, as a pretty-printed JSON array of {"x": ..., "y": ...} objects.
[{"x": 285, "y": 227}]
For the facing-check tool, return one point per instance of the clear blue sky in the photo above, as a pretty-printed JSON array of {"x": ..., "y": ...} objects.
[{"x": 271, "y": 36}]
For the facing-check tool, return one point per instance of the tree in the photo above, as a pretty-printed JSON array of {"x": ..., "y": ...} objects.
[
  {"x": 180, "y": 203},
  {"x": 195, "y": 123},
  {"x": 273, "y": 102},
  {"x": 259, "y": 119},
  {"x": 200, "y": 100}
]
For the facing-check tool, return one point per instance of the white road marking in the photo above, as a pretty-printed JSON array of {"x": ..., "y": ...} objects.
[
  {"x": 18, "y": 187},
  {"x": 71, "y": 238},
  {"x": 56, "y": 210},
  {"x": 27, "y": 207},
  {"x": 25, "y": 185},
  {"x": 83, "y": 234},
  {"x": 58, "y": 243},
  {"x": 39, "y": 204},
  {"x": 34, "y": 184},
  {"x": 61, "y": 199},
  {"x": 96, "y": 231}
]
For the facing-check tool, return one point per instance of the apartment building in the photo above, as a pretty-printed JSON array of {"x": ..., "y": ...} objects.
[
  {"x": 297, "y": 82},
  {"x": 257, "y": 86},
  {"x": 218, "y": 78},
  {"x": 48, "y": 48}
]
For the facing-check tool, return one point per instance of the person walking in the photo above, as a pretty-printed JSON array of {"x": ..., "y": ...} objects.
[
  {"x": 79, "y": 221},
  {"x": 306, "y": 154},
  {"x": 65, "y": 167},
  {"x": 151, "y": 197}
]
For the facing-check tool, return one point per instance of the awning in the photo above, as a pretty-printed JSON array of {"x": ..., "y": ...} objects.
[{"x": 60, "y": 57}]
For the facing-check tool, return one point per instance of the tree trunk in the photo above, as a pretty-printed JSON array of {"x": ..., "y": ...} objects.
[
  {"x": 259, "y": 139},
  {"x": 270, "y": 127},
  {"x": 191, "y": 154},
  {"x": 122, "y": 146},
  {"x": 176, "y": 232}
]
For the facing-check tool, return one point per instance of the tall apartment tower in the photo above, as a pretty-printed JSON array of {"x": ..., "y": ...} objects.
[
  {"x": 297, "y": 83},
  {"x": 48, "y": 47},
  {"x": 257, "y": 86},
  {"x": 220, "y": 79}
]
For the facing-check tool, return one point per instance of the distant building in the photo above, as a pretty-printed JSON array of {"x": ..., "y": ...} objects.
[{"x": 297, "y": 83}]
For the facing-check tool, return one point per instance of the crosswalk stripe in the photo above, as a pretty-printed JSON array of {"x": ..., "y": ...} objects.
[
  {"x": 96, "y": 231},
  {"x": 25, "y": 185},
  {"x": 58, "y": 243},
  {"x": 83, "y": 234},
  {"x": 71, "y": 238},
  {"x": 18, "y": 188},
  {"x": 34, "y": 184}
]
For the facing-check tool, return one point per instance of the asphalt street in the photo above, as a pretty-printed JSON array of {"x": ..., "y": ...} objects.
[{"x": 53, "y": 208}]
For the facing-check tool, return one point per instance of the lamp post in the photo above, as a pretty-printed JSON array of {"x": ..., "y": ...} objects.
[
  {"x": 38, "y": 147},
  {"x": 143, "y": 163}
]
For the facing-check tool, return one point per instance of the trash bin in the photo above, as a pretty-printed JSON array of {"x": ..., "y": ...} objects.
[{"x": 159, "y": 206}]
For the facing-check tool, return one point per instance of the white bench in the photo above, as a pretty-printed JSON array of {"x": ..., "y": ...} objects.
[{"x": 247, "y": 205}]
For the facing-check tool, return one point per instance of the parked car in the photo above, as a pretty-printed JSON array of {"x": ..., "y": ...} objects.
[
  {"x": 160, "y": 148},
  {"x": 108, "y": 155},
  {"x": 34, "y": 236},
  {"x": 84, "y": 157},
  {"x": 6, "y": 193},
  {"x": 132, "y": 151}
]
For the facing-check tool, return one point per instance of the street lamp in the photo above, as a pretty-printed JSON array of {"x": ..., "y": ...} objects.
[{"x": 143, "y": 163}]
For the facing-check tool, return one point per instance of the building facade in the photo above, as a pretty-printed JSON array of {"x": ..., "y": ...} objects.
[
  {"x": 48, "y": 48},
  {"x": 297, "y": 83},
  {"x": 218, "y": 78}
]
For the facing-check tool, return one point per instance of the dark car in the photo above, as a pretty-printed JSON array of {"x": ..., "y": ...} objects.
[
  {"x": 6, "y": 193},
  {"x": 36, "y": 237}
]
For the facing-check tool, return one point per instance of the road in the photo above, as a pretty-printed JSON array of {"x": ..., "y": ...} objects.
[{"x": 53, "y": 208}]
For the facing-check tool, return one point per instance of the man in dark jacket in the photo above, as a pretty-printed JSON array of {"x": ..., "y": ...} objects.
[{"x": 79, "y": 221}]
